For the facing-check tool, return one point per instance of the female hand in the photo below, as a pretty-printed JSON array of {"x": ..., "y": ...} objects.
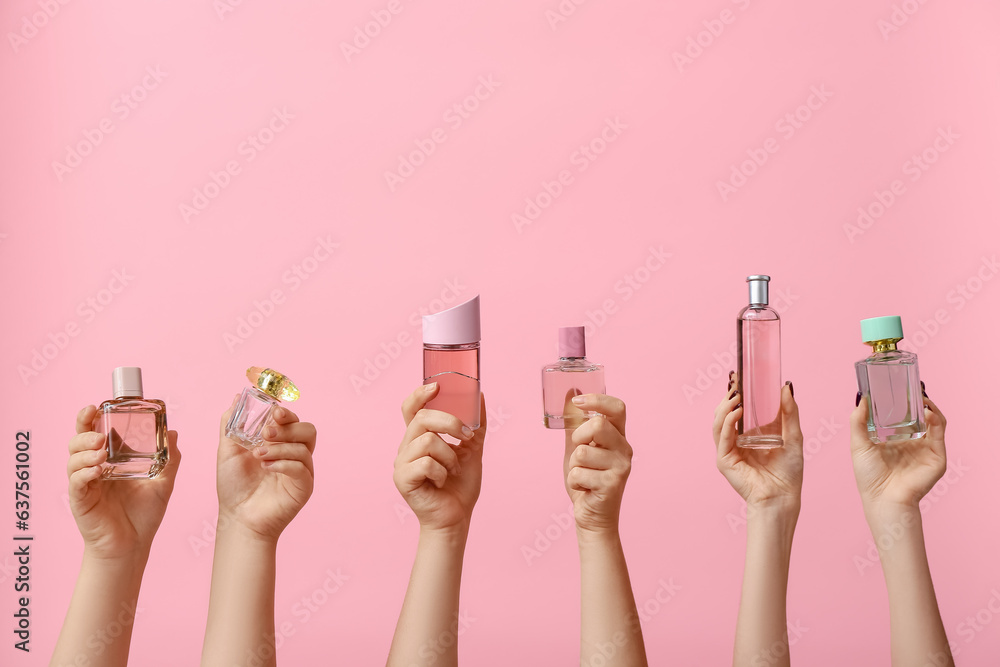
[
  {"x": 902, "y": 472},
  {"x": 116, "y": 518},
  {"x": 597, "y": 463},
  {"x": 439, "y": 482},
  {"x": 761, "y": 476},
  {"x": 262, "y": 490}
]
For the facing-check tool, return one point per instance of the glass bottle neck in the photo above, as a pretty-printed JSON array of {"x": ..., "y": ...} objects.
[{"x": 887, "y": 345}]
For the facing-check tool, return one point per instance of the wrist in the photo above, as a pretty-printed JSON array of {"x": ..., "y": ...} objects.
[
  {"x": 231, "y": 529},
  {"x": 891, "y": 518},
  {"x": 782, "y": 508},
  {"x": 598, "y": 537},
  {"x": 454, "y": 536},
  {"x": 133, "y": 560}
]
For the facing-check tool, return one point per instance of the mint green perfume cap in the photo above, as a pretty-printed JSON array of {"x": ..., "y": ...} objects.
[{"x": 881, "y": 328}]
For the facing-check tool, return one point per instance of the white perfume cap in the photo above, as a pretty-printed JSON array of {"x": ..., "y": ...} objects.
[{"x": 126, "y": 382}]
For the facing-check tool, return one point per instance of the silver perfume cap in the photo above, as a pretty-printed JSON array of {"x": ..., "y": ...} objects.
[
  {"x": 126, "y": 382},
  {"x": 758, "y": 289}
]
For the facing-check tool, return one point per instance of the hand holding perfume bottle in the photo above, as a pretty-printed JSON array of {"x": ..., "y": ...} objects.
[
  {"x": 760, "y": 476},
  {"x": 597, "y": 464},
  {"x": 116, "y": 520},
  {"x": 897, "y": 472},
  {"x": 264, "y": 488},
  {"x": 439, "y": 482},
  {"x": 254, "y": 410}
]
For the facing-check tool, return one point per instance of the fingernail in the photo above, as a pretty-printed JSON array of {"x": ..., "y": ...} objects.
[
  {"x": 430, "y": 386},
  {"x": 279, "y": 412},
  {"x": 267, "y": 464},
  {"x": 579, "y": 400},
  {"x": 270, "y": 431},
  {"x": 467, "y": 432},
  {"x": 923, "y": 389},
  {"x": 790, "y": 387},
  {"x": 731, "y": 373},
  {"x": 738, "y": 405},
  {"x": 857, "y": 401},
  {"x": 261, "y": 451}
]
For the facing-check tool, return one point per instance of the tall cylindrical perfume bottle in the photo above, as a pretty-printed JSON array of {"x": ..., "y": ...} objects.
[
  {"x": 136, "y": 428},
  {"x": 253, "y": 411},
  {"x": 758, "y": 370},
  {"x": 451, "y": 358},
  {"x": 571, "y": 376},
  {"x": 891, "y": 381}
]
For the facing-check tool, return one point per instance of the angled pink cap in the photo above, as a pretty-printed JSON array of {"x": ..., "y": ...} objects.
[
  {"x": 458, "y": 325},
  {"x": 126, "y": 382},
  {"x": 572, "y": 342}
]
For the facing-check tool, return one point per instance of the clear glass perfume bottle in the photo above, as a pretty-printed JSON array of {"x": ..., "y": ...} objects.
[
  {"x": 253, "y": 411},
  {"x": 891, "y": 381},
  {"x": 136, "y": 428},
  {"x": 758, "y": 370},
  {"x": 571, "y": 376},
  {"x": 451, "y": 358}
]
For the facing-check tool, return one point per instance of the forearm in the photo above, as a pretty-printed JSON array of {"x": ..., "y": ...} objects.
[
  {"x": 917, "y": 633},
  {"x": 761, "y": 628},
  {"x": 427, "y": 630},
  {"x": 609, "y": 621},
  {"x": 241, "y": 606},
  {"x": 98, "y": 625}
]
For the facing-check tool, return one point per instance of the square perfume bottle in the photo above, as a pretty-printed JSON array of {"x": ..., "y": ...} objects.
[
  {"x": 571, "y": 376},
  {"x": 890, "y": 379},
  {"x": 253, "y": 411},
  {"x": 136, "y": 429}
]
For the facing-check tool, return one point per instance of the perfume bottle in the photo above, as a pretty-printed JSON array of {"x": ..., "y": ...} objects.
[
  {"x": 253, "y": 411},
  {"x": 136, "y": 429},
  {"x": 571, "y": 376},
  {"x": 758, "y": 370},
  {"x": 891, "y": 381},
  {"x": 451, "y": 358}
]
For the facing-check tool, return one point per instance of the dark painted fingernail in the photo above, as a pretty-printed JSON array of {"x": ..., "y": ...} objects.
[
  {"x": 790, "y": 387},
  {"x": 857, "y": 401},
  {"x": 738, "y": 405},
  {"x": 923, "y": 389}
]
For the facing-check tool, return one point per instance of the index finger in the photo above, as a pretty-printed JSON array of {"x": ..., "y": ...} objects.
[
  {"x": 283, "y": 416},
  {"x": 85, "y": 419},
  {"x": 417, "y": 400},
  {"x": 609, "y": 406}
]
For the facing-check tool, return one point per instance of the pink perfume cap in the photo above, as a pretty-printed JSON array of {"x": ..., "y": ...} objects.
[
  {"x": 126, "y": 382},
  {"x": 572, "y": 342},
  {"x": 458, "y": 325}
]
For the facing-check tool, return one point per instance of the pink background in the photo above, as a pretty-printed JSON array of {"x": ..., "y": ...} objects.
[{"x": 655, "y": 185}]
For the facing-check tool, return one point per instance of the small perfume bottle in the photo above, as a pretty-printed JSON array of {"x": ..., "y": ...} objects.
[
  {"x": 253, "y": 411},
  {"x": 891, "y": 381},
  {"x": 451, "y": 358},
  {"x": 758, "y": 370},
  {"x": 136, "y": 429},
  {"x": 571, "y": 376}
]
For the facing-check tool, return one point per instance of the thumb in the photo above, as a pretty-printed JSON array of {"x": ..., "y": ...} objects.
[
  {"x": 791, "y": 431},
  {"x": 860, "y": 440}
]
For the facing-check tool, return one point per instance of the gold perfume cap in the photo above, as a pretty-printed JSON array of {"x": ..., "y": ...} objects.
[{"x": 273, "y": 383}]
